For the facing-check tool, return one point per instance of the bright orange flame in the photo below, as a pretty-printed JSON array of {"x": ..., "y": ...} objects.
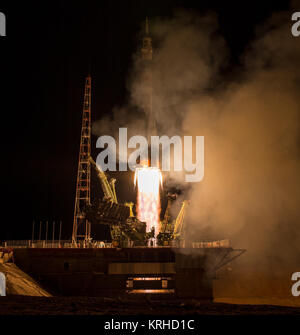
[{"x": 148, "y": 180}]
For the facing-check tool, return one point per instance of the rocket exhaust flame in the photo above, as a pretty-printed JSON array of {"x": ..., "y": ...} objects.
[{"x": 148, "y": 181}]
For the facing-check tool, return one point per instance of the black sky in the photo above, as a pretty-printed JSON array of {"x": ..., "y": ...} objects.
[{"x": 44, "y": 60}]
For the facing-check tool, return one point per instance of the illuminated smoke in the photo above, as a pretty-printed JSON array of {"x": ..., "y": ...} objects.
[{"x": 148, "y": 181}]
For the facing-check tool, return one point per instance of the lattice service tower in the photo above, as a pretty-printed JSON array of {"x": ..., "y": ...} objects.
[{"x": 81, "y": 226}]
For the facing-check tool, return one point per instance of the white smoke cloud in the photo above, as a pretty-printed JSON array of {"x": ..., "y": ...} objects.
[{"x": 251, "y": 188}]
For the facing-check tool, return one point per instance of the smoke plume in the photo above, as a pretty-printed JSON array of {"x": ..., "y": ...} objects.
[{"x": 250, "y": 121}]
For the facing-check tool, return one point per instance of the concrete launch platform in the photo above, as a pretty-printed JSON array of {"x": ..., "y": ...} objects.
[{"x": 113, "y": 272}]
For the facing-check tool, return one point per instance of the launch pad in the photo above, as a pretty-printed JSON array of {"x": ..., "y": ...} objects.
[
  {"x": 158, "y": 272},
  {"x": 148, "y": 255}
]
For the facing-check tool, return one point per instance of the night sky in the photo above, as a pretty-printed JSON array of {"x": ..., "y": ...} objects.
[{"x": 44, "y": 60}]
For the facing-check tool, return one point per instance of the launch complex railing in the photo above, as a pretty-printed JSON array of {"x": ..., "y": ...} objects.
[
  {"x": 52, "y": 244},
  {"x": 96, "y": 244}
]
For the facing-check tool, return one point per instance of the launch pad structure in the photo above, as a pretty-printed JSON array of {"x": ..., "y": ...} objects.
[
  {"x": 129, "y": 266},
  {"x": 154, "y": 272}
]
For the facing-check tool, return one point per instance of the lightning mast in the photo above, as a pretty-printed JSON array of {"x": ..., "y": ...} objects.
[{"x": 81, "y": 225}]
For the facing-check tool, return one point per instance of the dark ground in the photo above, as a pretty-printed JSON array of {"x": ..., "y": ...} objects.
[{"x": 22, "y": 305}]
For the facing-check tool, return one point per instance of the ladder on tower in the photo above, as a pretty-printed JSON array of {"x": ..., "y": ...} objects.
[{"x": 81, "y": 225}]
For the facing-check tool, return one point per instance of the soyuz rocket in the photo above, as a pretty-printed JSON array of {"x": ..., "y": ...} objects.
[{"x": 146, "y": 56}]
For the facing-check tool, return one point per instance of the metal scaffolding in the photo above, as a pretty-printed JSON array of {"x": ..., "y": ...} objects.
[{"x": 81, "y": 225}]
